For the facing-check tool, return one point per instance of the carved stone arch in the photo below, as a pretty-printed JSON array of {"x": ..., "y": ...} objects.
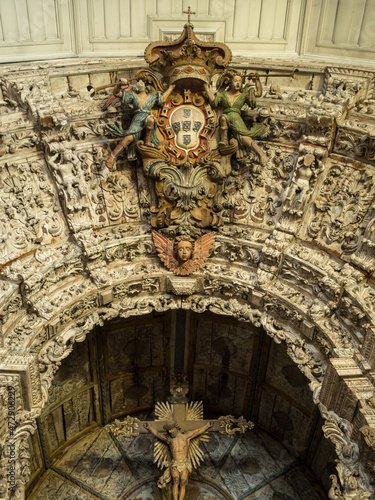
[
  {"x": 307, "y": 357},
  {"x": 311, "y": 272},
  {"x": 309, "y": 360}
]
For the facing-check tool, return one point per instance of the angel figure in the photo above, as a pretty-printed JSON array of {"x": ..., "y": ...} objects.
[
  {"x": 178, "y": 451},
  {"x": 183, "y": 255},
  {"x": 141, "y": 102},
  {"x": 231, "y": 98}
]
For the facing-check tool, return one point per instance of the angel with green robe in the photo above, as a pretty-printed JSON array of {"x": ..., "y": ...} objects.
[{"x": 231, "y": 101}]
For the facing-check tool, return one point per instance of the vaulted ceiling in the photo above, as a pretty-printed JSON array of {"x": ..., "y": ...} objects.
[{"x": 124, "y": 368}]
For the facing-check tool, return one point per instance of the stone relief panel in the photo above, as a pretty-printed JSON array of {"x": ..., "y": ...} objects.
[
  {"x": 253, "y": 195},
  {"x": 91, "y": 197},
  {"x": 29, "y": 210},
  {"x": 345, "y": 196},
  {"x": 355, "y": 140}
]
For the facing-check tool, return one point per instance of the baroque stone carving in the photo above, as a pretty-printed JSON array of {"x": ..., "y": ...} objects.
[
  {"x": 76, "y": 247},
  {"x": 190, "y": 172},
  {"x": 351, "y": 482},
  {"x": 342, "y": 203}
]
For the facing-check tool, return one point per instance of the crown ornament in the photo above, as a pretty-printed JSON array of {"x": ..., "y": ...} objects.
[{"x": 187, "y": 58}]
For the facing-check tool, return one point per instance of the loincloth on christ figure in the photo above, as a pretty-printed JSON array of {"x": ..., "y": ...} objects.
[{"x": 179, "y": 466}]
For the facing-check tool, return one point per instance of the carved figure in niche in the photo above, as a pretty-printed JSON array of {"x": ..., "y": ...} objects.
[
  {"x": 301, "y": 184},
  {"x": 66, "y": 173},
  {"x": 179, "y": 464},
  {"x": 231, "y": 98},
  {"x": 141, "y": 101},
  {"x": 182, "y": 255}
]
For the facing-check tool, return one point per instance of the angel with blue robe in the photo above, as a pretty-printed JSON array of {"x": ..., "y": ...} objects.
[{"x": 141, "y": 102}]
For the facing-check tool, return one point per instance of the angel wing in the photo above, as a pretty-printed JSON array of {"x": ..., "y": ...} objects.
[
  {"x": 202, "y": 251},
  {"x": 164, "y": 247},
  {"x": 111, "y": 101}
]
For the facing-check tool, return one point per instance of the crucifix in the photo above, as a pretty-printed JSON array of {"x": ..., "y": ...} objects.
[
  {"x": 189, "y": 12},
  {"x": 179, "y": 429}
]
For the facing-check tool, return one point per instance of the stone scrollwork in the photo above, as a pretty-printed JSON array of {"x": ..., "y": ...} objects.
[
  {"x": 230, "y": 425},
  {"x": 27, "y": 208},
  {"x": 351, "y": 481},
  {"x": 342, "y": 203}
]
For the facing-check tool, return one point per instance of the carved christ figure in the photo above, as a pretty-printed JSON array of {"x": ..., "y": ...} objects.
[
  {"x": 179, "y": 429},
  {"x": 231, "y": 102},
  {"x": 179, "y": 463},
  {"x": 141, "y": 101}
]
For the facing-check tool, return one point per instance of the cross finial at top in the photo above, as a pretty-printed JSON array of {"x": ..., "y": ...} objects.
[{"x": 189, "y": 12}]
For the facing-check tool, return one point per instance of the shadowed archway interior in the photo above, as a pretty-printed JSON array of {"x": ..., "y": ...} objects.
[{"x": 124, "y": 367}]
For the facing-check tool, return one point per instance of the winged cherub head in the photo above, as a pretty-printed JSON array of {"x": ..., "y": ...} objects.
[{"x": 183, "y": 248}]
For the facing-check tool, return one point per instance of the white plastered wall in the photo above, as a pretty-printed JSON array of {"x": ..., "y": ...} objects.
[{"x": 340, "y": 31}]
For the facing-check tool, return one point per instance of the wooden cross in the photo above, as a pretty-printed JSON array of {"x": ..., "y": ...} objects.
[
  {"x": 187, "y": 415},
  {"x": 188, "y": 12},
  {"x": 179, "y": 428}
]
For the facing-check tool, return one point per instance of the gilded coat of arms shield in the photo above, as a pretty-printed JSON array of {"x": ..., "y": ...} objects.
[{"x": 187, "y": 122}]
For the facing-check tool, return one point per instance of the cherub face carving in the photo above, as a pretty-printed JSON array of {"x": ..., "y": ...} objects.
[{"x": 184, "y": 250}]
